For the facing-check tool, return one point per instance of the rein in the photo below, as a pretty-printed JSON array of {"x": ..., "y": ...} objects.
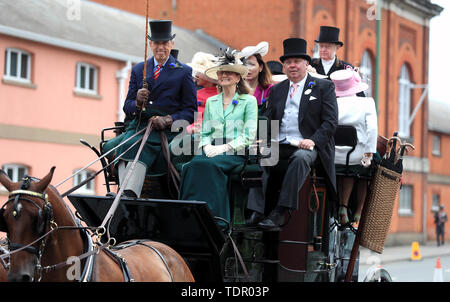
[
  {"x": 101, "y": 157},
  {"x": 108, "y": 217}
]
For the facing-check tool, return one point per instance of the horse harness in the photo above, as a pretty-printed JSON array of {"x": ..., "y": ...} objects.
[
  {"x": 122, "y": 262},
  {"x": 45, "y": 219}
]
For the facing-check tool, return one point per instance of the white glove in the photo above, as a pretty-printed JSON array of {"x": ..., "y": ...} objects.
[
  {"x": 296, "y": 143},
  {"x": 216, "y": 150},
  {"x": 366, "y": 161},
  {"x": 207, "y": 148}
]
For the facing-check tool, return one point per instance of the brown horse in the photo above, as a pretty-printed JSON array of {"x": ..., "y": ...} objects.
[
  {"x": 3, "y": 272},
  {"x": 35, "y": 208}
]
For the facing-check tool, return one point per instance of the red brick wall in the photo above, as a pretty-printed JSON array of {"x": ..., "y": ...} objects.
[{"x": 242, "y": 23}]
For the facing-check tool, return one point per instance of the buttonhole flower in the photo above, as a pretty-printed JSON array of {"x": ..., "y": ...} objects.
[
  {"x": 234, "y": 102},
  {"x": 311, "y": 84}
]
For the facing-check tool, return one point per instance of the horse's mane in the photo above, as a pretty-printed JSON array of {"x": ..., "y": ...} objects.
[{"x": 59, "y": 197}]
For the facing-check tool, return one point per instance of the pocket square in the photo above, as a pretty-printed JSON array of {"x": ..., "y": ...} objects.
[{"x": 312, "y": 98}]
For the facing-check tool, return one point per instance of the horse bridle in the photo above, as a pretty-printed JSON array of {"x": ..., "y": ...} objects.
[{"x": 44, "y": 218}]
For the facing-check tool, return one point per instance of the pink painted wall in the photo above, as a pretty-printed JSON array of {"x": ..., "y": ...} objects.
[{"x": 53, "y": 105}]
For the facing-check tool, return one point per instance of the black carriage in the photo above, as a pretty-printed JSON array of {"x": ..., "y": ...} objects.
[{"x": 311, "y": 246}]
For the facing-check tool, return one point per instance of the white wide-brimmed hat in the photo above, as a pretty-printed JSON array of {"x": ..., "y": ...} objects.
[
  {"x": 262, "y": 48},
  {"x": 347, "y": 82},
  {"x": 312, "y": 72},
  {"x": 228, "y": 61},
  {"x": 201, "y": 61}
]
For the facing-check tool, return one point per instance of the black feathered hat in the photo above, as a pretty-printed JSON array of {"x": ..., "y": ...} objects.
[
  {"x": 161, "y": 30},
  {"x": 295, "y": 48},
  {"x": 329, "y": 34}
]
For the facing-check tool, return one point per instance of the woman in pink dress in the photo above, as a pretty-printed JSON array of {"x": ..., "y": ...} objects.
[{"x": 259, "y": 77}]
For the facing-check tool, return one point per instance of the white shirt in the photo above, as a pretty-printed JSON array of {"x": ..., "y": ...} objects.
[
  {"x": 359, "y": 112},
  {"x": 289, "y": 124},
  {"x": 327, "y": 64}
]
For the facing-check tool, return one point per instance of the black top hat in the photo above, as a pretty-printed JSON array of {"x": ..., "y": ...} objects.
[
  {"x": 174, "y": 52},
  {"x": 295, "y": 48},
  {"x": 329, "y": 34},
  {"x": 161, "y": 30},
  {"x": 275, "y": 67}
]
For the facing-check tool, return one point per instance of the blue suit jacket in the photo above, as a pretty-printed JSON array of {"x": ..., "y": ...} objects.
[{"x": 173, "y": 92}]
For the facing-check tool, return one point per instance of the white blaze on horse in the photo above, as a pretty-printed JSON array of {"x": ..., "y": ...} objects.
[{"x": 35, "y": 213}]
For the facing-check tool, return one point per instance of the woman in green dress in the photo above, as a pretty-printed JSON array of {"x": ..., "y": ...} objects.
[{"x": 229, "y": 126}]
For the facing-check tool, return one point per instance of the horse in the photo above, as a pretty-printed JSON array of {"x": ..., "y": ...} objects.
[
  {"x": 3, "y": 271},
  {"x": 36, "y": 213}
]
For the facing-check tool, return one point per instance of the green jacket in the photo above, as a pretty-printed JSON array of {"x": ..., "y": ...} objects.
[{"x": 237, "y": 125}]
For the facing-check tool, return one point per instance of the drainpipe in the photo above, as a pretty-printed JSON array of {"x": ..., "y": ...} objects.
[
  {"x": 377, "y": 58},
  {"x": 121, "y": 76}
]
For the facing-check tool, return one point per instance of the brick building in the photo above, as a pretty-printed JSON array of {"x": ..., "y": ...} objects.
[
  {"x": 403, "y": 73},
  {"x": 64, "y": 78}
]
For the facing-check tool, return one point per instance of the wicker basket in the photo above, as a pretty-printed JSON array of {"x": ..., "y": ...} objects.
[{"x": 378, "y": 209}]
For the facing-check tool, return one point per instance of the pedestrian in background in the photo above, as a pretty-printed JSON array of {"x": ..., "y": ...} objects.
[{"x": 440, "y": 218}]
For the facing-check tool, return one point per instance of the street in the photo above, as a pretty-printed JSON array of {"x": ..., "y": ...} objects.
[{"x": 410, "y": 271}]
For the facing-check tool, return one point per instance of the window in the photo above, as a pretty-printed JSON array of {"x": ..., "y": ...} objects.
[
  {"x": 435, "y": 202},
  {"x": 17, "y": 65},
  {"x": 15, "y": 172},
  {"x": 366, "y": 71},
  {"x": 86, "y": 78},
  {"x": 404, "y": 102},
  {"x": 436, "y": 145},
  {"x": 89, "y": 187},
  {"x": 405, "y": 205}
]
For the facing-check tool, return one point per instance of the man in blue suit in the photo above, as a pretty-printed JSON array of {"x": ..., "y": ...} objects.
[{"x": 170, "y": 96}]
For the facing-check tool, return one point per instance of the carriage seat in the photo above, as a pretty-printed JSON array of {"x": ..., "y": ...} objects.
[{"x": 346, "y": 135}]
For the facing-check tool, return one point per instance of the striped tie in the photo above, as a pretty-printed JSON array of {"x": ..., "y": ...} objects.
[
  {"x": 157, "y": 71},
  {"x": 294, "y": 86}
]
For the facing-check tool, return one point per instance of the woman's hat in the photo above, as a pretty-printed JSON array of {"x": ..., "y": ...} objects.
[
  {"x": 312, "y": 72},
  {"x": 329, "y": 34},
  {"x": 295, "y": 48},
  {"x": 161, "y": 30},
  {"x": 201, "y": 61},
  {"x": 262, "y": 48},
  {"x": 275, "y": 67},
  {"x": 228, "y": 61},
  {"x": 279, "y": 78},
  {"x": 347, "y": 82}
]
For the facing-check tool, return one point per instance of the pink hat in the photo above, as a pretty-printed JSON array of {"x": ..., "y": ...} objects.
[{"x": 347, "y": 82}]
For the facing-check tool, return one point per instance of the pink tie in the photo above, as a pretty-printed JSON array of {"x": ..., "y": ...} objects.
[{"x": 295, "y": 86}]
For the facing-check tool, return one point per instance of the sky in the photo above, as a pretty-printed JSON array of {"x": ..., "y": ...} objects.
[{"x": 439, "y": 79}]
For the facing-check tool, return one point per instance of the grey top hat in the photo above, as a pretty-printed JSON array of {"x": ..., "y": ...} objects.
[{"x": 161, "y": 30}]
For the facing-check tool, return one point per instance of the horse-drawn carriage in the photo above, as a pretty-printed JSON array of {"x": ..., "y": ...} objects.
[{"x": 311, "y": 246}]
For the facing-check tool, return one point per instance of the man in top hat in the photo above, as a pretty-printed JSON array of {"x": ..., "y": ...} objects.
[
  {"x": 306, "y": 110},
  {"x": 170, "y": 96},
  {"x": 329, "y": 44}
]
